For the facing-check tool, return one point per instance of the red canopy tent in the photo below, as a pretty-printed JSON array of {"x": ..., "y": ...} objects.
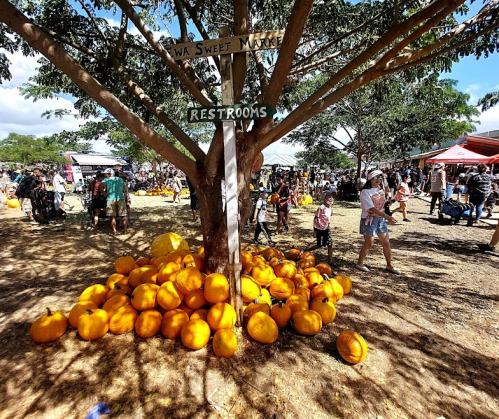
[
  {"x": 494, "y": 159},
  {"x": 458, "y": 154}
]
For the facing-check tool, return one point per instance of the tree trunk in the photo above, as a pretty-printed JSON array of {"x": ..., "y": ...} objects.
[{"x": 359, "y": 163}]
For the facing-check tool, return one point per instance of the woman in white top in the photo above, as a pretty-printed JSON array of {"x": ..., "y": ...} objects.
[{"x": 374, "y": 220}]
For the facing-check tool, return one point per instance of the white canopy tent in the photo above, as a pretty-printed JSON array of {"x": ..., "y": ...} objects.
[
  {"x": 280, "y": 159},
  {"x": 97, "y": 160}
]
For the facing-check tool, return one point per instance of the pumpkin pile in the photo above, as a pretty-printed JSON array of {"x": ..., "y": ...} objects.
[
  {"x": 159, "y": 191},
  {"x": 305, "y": 199},
  {"x": 171, "y": 294}
]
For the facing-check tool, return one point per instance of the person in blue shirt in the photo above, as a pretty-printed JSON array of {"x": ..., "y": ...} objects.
[{"x": 113, "y": 188}]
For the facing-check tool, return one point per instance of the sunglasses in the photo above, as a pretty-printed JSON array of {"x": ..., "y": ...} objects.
[{"x": 377, "y": 178}]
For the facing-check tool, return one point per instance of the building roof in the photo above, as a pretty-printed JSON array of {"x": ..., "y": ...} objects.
[{"x": 97, "y": 160}]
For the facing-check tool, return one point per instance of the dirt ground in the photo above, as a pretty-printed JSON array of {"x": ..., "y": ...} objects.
[{"x": 432, "y": 332}]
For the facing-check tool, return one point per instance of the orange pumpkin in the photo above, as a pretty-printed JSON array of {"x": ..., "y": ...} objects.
[
  {"x": 169, "y": 297},
  {"x": 172, "y": 323},
  {"x": 189, "y": 279},
  {"x": 195, "y": 334},
  {"x": 285, "y": 269},
  {"x": 282, "y": 288},
  {"x": 93, "y": 324},
  {"x": 123, "y": 320},
  {"x": 144, "y": 297},
  {"x": 114, "y": 303},
  {"x": 256, "y": 307},
  {"x": 148, "y": 323},
  {"x": 49, "y": 327},
  {"x": 216, "y": 288},
  {"x": 296, "y": 303},
  {"x": 195, "y": 299},
  {"x": 95, "y": 293},
  {"x": 308, "y": 255},
  {"x": 313, "y": 278},
  {"x": 221, "y": 316},
  {"x": 117, "y": 290},
  {"x": 300, "y": 280},
  {"x": 200, "y": 313},
  {"x": 345, "y": 282},
  {"x": 78, "y": 310},
  {"x": 303, "y": 291},
  {"x": 294, "y": 254},
  {"x": 168, "y": 271},
  {"x": 251, "y": 289},
  {"x": 274, "y": 198},
  {"x": 325, "y": 308},
  {"x": 323, "y": 290},
  {"x": 263, "y": 274},
  {"x": 281, "y": 314},
  {"x": 352, "y": 347},
  {"x": 113, "y": 279},
  {"x": 324, "y": 268},
  {"x": 124, "y": 264},
  {"x": 224, "y": 343},
  {"x": 307, "y": 322},
  {"x": 142, "y": 261},
  {"x": 263, "y": 328}
]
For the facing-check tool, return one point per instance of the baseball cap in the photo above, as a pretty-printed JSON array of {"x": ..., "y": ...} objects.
[
  {"x": 373, "y": 174},
  {"x": 438, "y": 166},
  {"x": 108, "y": 171}
]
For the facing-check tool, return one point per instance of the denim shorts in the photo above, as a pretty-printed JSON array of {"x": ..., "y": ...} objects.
[{"x": 377, "y": 226}]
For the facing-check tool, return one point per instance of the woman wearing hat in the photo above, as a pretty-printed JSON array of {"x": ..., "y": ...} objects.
[{"x": 374, "y": 220}]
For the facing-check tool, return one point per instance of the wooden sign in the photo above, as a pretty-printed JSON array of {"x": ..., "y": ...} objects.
[
  {"x": 230, "y": 113},
  {"x": 229, "y": 45}
]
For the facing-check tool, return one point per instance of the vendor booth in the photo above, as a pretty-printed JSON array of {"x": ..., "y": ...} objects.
[{"x": 458, "y": 155}]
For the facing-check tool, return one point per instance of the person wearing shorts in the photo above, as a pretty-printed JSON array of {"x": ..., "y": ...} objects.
[
  {"x": 113, "y": 188},
  {"x": 322, "y": 232},
  {"x": 374, "y": 221},
  {"x": 194, "y": 199},
  {"x": 282, "y": 205}
]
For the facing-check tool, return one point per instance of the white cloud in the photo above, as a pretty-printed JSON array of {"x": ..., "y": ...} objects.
[
  {"x": 489, "y": 120},
  {"x": 23, "y": 116},
  {"x": 474, "y": 90}
]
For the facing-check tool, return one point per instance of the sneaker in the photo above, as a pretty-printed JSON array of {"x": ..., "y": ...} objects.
[
  {"x": 484, "y": 247},
  {"x": 362, "y": 268},
  {"x": 393, "y": 271},
  {"x": 257, "y": 242},
  {"x": 272, "y": 244},
  {"x": 286, "y": 228},
  {"x": 406, "y": 220}
]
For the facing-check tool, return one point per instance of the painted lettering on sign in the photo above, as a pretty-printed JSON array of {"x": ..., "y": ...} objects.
[
  {"x": 230, "y": 113},
  {"x": 229, "y": 45}
]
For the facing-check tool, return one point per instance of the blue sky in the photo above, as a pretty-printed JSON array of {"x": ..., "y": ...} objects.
[{"x": 22, "y": 116}]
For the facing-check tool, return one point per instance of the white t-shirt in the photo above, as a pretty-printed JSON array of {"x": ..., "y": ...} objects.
[
  {"x": 372, "y": 198},
  {"x": 58, "y": 183},
  {"x": 261, "y": 206}
]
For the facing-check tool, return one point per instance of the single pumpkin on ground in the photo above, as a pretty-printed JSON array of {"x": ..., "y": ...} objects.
[
  {"x": 351, "y": 346},
  {"x": 49, "y": 327}
]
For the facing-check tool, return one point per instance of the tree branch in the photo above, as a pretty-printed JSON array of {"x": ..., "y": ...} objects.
[
  {"x": 192, "y": 11},
  {"x": 94, "y": 23},
  {"x": 194, "y": 86},
  {"x": 46, "y": 45},
  {"x": 181, "y": 20},
  {"x": 240, "y": 61},
  {"x": 294, "y": 30},
  {"x": 346, "y": 35},
  {"x": 297, "y": 114},
  {"x": 120, "y": 44},
  {"x": 260, "y": 66},
  {"x": 318, "y": 63}
]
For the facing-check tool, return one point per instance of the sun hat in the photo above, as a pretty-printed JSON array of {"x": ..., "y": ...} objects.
[
  {"x": 108, "y": 171},
  {"x": 373, "y": 174},
  {"x": 438, "y": 166}
]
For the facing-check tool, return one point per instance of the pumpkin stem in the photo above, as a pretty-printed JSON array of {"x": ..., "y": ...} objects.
[
  {"x": 49, "y": 313},
  {"x": 326, "y": 300},
  {"x": 124, "y": 253},
  {"x": 117, "y": 287},
  {"x": 326, "y": 277},
  {"x": 257, "y": 301},
  {"x": 280, "y": 304},
  {"x": 89, "y": 311},
  {"x": 129, "y": 295}
]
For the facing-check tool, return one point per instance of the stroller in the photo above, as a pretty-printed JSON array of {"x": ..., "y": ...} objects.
[
  {"x": 43, "y": 204},
  {"x": 454, "y": 209}
]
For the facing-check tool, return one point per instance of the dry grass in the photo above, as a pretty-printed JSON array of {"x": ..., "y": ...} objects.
[{"x": 432, "y": 332}]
